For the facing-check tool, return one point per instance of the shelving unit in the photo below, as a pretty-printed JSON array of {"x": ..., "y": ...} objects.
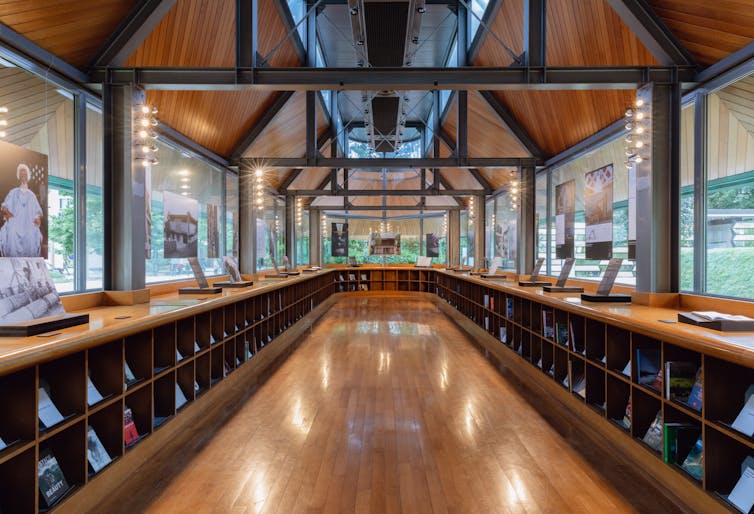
[
  {"x": 601, "y": 351},
  {"x": 383, "y": 279},
  {"x": 196, "y": 353}
]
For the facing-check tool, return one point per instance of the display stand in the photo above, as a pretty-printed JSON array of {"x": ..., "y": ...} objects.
[
  {"x": 606, "y": 285},
  {"x": 243, "y": 283},
  {"x": 560, "y": 286},
  {"x": 352, "y": 262},
  {"x": 492, "y": 272},
  {"x": 231, "y": 266},
  {"x": 723, "y": 325},
  {"x": 533, "y": 282},
  {"x": 201, "y": 280},
  {"x": 42, "y": 325}
]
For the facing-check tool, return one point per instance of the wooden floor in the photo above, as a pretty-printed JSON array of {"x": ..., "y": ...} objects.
[{"x": 387, "y": 407}]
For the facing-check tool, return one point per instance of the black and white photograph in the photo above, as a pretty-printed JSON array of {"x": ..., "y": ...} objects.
[
  {"x": 598, "y": 210},
  {"x": 433, "y": 245},
  {"x": 213, "y": 231},
  {"x": 23, "y": 197},
  {"x": 231, "y": 266},
  {"x": 339, "y": 239},
  {"x": 96, "y": 452},
  {"x": 181, "y": 226},
  {"x": 26, "y": 290},
  {"x": 565, "y": 219}
]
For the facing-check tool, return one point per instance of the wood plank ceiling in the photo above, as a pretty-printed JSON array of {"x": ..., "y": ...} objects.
[
  {"x": 710, "y": 30},
  {"x": 201, "y": 33},
  {"x": 73, "y": 30}
]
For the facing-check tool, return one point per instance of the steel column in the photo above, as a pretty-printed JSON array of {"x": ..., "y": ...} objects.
[
  {"x": 526, "y": 251},
  {"x": 247, "y": 33},
  {"x": 462, "y": 133},
  {"x": 311, "y": 35},
  {"x": 535, "y": 32},
  {"x": 454, "y": 237},
  {"x": 462, "y": 34},
  {"x": 123, "y": 194},
  {"x": 315, "y": 235},
  {"x": 480, "y": 225},
  {"x": 247, "y": 223},
  {"x": 311, "y": 126},
  {"x": 700, "y": 193},
  {"x": 290, "y": 229},
  {"x": 79, "y": 183}
]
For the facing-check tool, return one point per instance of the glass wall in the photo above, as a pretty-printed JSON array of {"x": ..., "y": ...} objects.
[
  {"x": 435, "y": 225},
  {"x": 613, "y": 199},
  {"x": 231, "y": 215},
  {"x": 302, "y": 239},
  {"x": 270, "y": 233},
  {"x": 730, "y": 190},
  {"x": 359, "y": 230},
  {"x": 506, "y": 231},
  {"x": 37, "y": 135},
  {"x": 183, "y": 188},
  {"x": 464, "y": 238},
  {"x": 687, "y": 198},
  {"x": 540, "y": 215}
]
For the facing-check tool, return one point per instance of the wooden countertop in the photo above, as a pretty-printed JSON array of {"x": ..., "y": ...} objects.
[
  {"x": 733, "y": 346},
  {"x": 112, "y": 322}
]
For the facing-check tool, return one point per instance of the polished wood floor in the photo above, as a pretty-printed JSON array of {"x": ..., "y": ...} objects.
[{"x": 387, "y": 407}]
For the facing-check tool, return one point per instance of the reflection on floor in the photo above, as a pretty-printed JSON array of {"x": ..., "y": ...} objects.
[{"x": 387, "y": 407}]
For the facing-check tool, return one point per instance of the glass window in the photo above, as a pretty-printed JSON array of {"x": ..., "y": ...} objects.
[
  {"x": 297, "y": 9},
  {"x": 506, "y": 231},
  {"x": 270, "y": 233},
  {"x": 231, "y": 215},
  {"x": 94, "y": 207},
  {"x": 180, "y": 175},
  {"x": 477, "y": 11},
  {"x": 612, "y": 153},
  {"x": 489, "y": 230},
  {"x": 359, "y": 230},
  {"x": 464, "y": 238},
  {"x": 302, "y": 239},
  {"x": 540, "y": 215},
  {"x": 730, "y": 190},
  {"x": 687, "y": 199},
  {"x": 436, "y": 225}
]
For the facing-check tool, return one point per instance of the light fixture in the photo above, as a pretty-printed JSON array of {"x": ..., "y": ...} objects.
[
  {"x": 354, "y": 10},
  {"x": 638, "y": 126},
  {"x": 144, "y": 121},
  {"x": 421, "y": 9}
]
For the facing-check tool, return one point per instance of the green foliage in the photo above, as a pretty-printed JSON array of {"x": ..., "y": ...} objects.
[{"x": 61, "y": 227}]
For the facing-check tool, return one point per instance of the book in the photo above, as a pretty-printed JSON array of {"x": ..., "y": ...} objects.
[
  {"x": 180, "y": 398},
  {"x": 196, "y": 347},
  {"x": 486, "y": 301},
  {"x": 52, "y": 483},
  {"x": 503, "y": 335},
  {"x": 561, "y": 333},
  {"x": 679, "y": 380},
  {"x": 626, "y": 421},
  {"x": 130, "y": 433},
  {"x": 742, "y": 495},
  {"x": 744, "y": 422},
  {"x": 130, "y": 378},
  {"x": 548, "y": 330},
  {"x": 696, "y": 396},
  {"x": 653, "y": 436},
  {"x": 492, "y": 303},
  {"x": 93, "y": 395},
  {"x": 719, "y": 316},
  {"x": 694, "y": 462},
  {"x": 578, "y": 385},
  {"x": 178, "y": 355},
  {"x": 679, "y": 439},
  {"x": 49, "y": 414},
  {"x": 231, "y": 266},
  {"x": 647, "y": 365},
  {"x": 2, "y": 444},
  {"x": 627, "y": 369},
  {"x": 197, "y": 389},
  {"x": 509, "y": 308},
  {"x": 96, "y": 452}
]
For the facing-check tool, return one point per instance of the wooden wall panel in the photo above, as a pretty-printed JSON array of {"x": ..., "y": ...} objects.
[
  {"x": 217, "y": 120},
  {"x": 710, "y": 29},
  {"x": 557, "y": 120},
  {"x": 731, "y": 144},
  {"x": 73, "y": 30},
  {"x": 589, "y": 33},
  {"x": 202, "y": 33},
  {"x": 488, "y": 137},
  {"x": 285, "y": 136},
  {"x": 508, "y": 28},
  {"x": 687, "y": 146}
]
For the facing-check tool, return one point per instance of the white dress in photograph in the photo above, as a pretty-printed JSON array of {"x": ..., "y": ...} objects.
[{"x": 19, "y": 235}]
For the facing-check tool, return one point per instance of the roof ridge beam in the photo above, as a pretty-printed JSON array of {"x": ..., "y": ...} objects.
[{"x": 132, "y": 32}]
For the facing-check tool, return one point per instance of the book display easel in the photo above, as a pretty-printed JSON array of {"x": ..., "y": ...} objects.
[
  {"x": 533, "y": 279},
  {"x": 606, "y": 285},
  {"x": 65, "y": 421},
  {"x": 560, "y": 286},
  {"x": 203, "y": 286}
]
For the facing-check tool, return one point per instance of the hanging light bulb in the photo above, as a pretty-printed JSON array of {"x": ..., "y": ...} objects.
[
  {"x": 639, "y": 102},
  {"x": 640, "y": 144}
]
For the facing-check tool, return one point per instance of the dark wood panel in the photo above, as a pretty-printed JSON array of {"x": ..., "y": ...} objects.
[
  {"x": 589, "y": 33},
  {"x": 711, "y": 30},
  {"x": 557, "y": 120},
  {"x": 202, "y": 33},
  {"x": 73, "y": 30}
]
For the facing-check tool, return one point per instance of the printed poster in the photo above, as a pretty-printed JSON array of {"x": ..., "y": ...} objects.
[
  {"x": 213, "y": 231},
  {"x": 632, "y": 212},
  {"x": 23, "y": 193},
  {"x": 433, "y": 245},
  {"x": 26, "y": 290},
  {"x": 565, "y": 219},
  {"x": 598, "y": 210},
  {"x": 181, "y": 226},
  {"x": 339, "y": 239}
]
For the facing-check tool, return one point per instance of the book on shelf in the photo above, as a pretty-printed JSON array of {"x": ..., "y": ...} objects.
[
  {"x": 49, "y": 414},
  {"x": 487, "y": 323},
  {"x": 647, "y": 365},
  {"x": 509, "y": 308},
  {"x": 226, "y": 369},
  {"x": 352, "y": 277},
  {"x": 742, "y": 495},
  {"x": 627, "y": 369},
  {"x": 52, "y": 483},
  {"x": 744, "y": 422},
  {"x": 93, "y": 396},
  {"x": 2, "y": 444},
  {"x": 679, "y": 380},
  {"x": 627, "y": 415},
  {"x": 178, "y": 355},
  {"x": 363, "y": 287},
  {"x": 566, "y": 381},
  {"x": 539, "y": 363},
  {"x": 551, "y": 370},
  {"x": 95, "y": 451},
  {"x": 197, "y": 389},
  {"x": 129, "y": 376},
  {"x": 548, "y": 328},
  {"x": 561, "y": 333},
  {"x": 364, "y": 277},
  {"x": 503, "y": 335},
  {"x": 694, "y": 461},
  {"x": 492, "y": 303},
  {"x": 486, "y": 301},
  {"x": 130, "y": 433},
  {"x": 578, "y": 383},
  {"x": 238, "y": 361},
  {"x": 196, "y": 347},
  {"x": 679, "y": 439},
  {"x": 696, "y": 396},
  {"x": 653, "y": 436},
  {"x": 180, "y": 398}
]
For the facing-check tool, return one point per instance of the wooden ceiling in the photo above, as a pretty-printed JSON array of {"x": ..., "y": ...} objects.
[
  {"x": 73, "y": 30},
  {"x": 710, "y": 29}
]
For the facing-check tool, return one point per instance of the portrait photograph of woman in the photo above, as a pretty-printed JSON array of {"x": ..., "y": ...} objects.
[{"x": 23, "y": 202}]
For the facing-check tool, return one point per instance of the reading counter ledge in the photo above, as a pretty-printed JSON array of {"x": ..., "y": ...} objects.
[{"x": 75, "y": 400}]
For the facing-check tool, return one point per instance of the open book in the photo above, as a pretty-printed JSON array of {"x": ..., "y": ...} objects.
[{"x": 720, "y": 316}]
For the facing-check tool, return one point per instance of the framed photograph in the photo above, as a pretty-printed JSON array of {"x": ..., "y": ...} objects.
[
  {"x": 181, "y": 216},
  {"x": 26, "y": 290}
]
